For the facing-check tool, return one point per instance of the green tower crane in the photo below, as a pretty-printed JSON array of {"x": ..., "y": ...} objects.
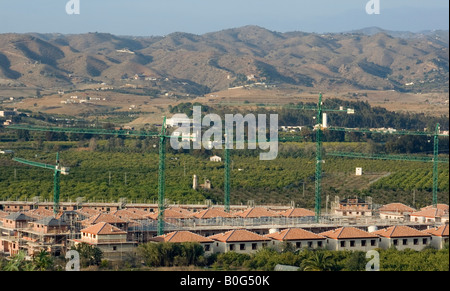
[
  {"x": 228, "y": 143},
  {"x": 162, "y": 178},
  {"x": 162, "y": 153},
  {"x": 435, "y": 159},
  {"x": 321, "y": 124},
  {"x": 435, "y": 165},
  {"x": 319, "y": 161},
  {"x": 57, "y": 169}
]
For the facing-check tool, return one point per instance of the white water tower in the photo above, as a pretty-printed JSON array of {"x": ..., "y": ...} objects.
[
  {"x": 372, "y": 228},
  {"x": 325, "y": 121},
  {"x": 195, "y": 182},
  {"x": 359, "y": 172}
]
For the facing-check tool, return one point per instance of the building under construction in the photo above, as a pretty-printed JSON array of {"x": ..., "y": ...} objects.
[{"x": 117, "y": 228}]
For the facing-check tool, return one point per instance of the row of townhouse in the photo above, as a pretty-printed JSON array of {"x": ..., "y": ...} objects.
[
  {"x": 112, "y": 241},
  {"x": 402, "y": 212},
  {"x": 189, "y": 214},
  {"x": 121, "y": 230}
]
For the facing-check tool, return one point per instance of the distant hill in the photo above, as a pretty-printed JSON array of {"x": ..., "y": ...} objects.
[
  {"x": 370, "y": 58},
  {"x": 441, "y": 36}
]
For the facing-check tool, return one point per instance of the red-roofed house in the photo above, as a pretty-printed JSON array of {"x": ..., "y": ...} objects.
[
  {"x": 298, "y": 215},
  {"x": 105, "y": 217},
  {"x": 350, "y": 238},
  {"x": 187, "y": 236},
  {"x": 298, "y": 212},
  {"x": 353, "y": 207},
  {"x": 403, "y": 237},
  {"x": 259, "y": 216},
  {"x": 111, "y": 240},
  {"x": 395, "y": 211},
  {"x": 39, "y": 213},
  {"x": 213, "y": 216},
  {"x": 171, "y": 216},
  {"x": 49, "y": 234},
  {"x": 128, "y": 215},
  {"x": 430, "y": 214},
  {"x": 439, "y": 236},
  {"x": 298, "y": 238},
  {"x": 240, "y": 241}
]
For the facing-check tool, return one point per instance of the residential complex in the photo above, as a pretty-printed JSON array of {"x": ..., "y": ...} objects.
[{"x": 118, "y": 228}]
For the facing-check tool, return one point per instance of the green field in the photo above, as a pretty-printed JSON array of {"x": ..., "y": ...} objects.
[{"x": 109, "y": 173}]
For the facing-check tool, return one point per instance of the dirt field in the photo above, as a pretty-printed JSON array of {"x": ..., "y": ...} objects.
[
  {"x": 151, "y": 110},
  {"x": 429, "y": 103}
]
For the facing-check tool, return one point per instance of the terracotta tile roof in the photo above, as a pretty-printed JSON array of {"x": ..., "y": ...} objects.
[
  {"x": 443, "y": 207},
  {"x": 400, "y": 231},
  {"x": 139, "y": 211},
  {"x": 347, "y": 232},
  {"x": 212, "y": 213},
  {"x": 181, "y": 210},
  {"x": 297, "y": 212},
  {"x": 429, "y": 212},
  {"x": 103, "y": 228},
  {"x": 396, "y": 207},
  {"x": 438, "y": 231},
  {"x": 169, "y": 213},
  {"x": 182, "y": 236},
  {"x": 238, "y": 235},
  {"x": 294, "y": 234},
  {"x": 257, "y": 212},
  {"x": 86, "y": 211},
  {"x": 103, "y": 217},
  {"x": 39, "y": 213},
  {"x": 128, "y": 215}
]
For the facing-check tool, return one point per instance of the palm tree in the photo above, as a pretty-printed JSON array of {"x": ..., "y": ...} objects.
[
  {"x": 43, "y": 261},
  {"x": 319, "y": 261},
  {"x": 18, "y": 263}
]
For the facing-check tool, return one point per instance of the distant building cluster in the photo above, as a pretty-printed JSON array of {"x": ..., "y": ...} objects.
[{"x": 117, "y": 229}]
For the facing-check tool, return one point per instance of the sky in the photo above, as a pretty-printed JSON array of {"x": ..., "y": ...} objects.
[{"x": 162, "y": 17}]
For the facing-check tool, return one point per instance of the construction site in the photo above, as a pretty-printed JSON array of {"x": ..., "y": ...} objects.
[{"x": 118, "y": 228}]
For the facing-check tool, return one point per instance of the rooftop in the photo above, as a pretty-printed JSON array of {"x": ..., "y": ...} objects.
[
  {"x": 347, "y": 232},
  {"x": 396, "y": 207},
  {"x": 400, "y": 231},
  {"x": 297, "y": 212},
  {"x": 181, "y": 237},
  {"x": 238, "y": 235},
  {"x": 128, "y": 215},
  {"x": 169, "y": 213},
  {"x": 50, "y": 221},
  {"x": 256, "y": 212},
  {"x": 438, "y": 231},
  {"x": 16, "y": 216},
  {"x": 103, "y": 217},
  {"x": 212, "y": 213},
  {"x": 430, "y": 212},
  {"x": 103, "y": 228},
  {"x": 294, "y": 234}
]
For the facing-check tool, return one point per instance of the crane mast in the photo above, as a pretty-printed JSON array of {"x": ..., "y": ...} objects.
[{"x": 57, "y": 171}]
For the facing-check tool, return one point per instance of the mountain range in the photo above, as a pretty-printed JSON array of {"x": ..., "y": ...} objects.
[{"x": 370, "y": 59}]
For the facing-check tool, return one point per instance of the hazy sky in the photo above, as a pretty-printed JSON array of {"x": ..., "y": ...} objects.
[{"x": 151, "y": 17}]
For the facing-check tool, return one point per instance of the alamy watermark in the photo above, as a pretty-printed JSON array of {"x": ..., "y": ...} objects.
[
  {"x": 74, "y": 261},
  {"x": 374, "y": 263},
  {"x": 188, "y": 133},
  {"x": 73, "y": 7},
  {"x": 373, "y": 7}
]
